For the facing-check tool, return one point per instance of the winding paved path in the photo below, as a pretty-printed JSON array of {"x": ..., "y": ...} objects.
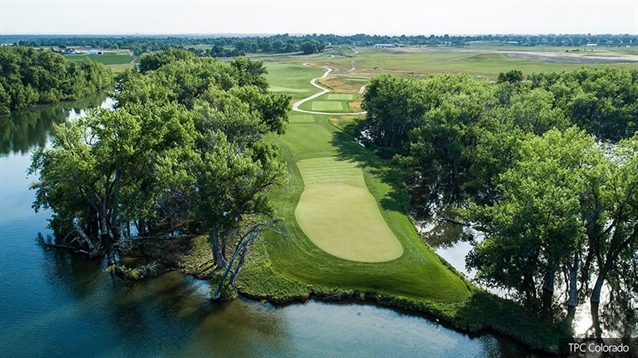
[{"x": 295, "y": 106}]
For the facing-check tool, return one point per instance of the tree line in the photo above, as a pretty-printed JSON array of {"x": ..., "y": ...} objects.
[
  {"x": 287, "y": 43},
  {"x": 29, "y": 76},
  {"x": 182, "y": 153},
  {"x": 546, "y": 168}
]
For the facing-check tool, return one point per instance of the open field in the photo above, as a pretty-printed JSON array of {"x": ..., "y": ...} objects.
[
  {"x": 108, "y": 58},
  {"x": 338, "y": 213},
  {"x": 485, "y": 62}
]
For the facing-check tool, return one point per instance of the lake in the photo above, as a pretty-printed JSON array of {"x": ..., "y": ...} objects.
[{"x": 53, "y": 303}]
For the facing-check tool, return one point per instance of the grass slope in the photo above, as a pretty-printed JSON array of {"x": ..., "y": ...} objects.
[{"x": 338, "y": 213}]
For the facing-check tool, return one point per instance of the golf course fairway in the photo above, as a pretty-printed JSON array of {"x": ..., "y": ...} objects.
[{"x": 339, "y": 215}]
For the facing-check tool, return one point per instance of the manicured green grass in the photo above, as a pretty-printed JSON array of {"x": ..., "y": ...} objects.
[
  {"x": 301, "y": 118},
  {"x": 338, "y": 213},
  {"x": 292, "y": 78},
  {"x": 308, "y": 141},
  {"x": 327, "y": 106},
  {"x": 109, "y": 58},
  {"x": 340, "y": 96},
  {"x": 286, "y": 89},
  {"x": 331, "y": 103},
  {"x": 416, "y": 273}
]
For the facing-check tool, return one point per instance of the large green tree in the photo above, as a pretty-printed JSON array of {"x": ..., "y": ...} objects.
[{"x": 183, "y": 151}]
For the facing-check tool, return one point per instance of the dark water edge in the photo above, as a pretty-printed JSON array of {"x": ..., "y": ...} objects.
[{"x": 53, "y": 303}]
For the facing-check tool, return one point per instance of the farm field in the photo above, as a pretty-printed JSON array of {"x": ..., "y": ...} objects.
[
  {"x": 108, "y": 58},
  {"x": 116, "y": 61}
]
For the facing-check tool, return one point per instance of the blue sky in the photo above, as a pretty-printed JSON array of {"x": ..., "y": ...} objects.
[{"x": 338, "y": 17}]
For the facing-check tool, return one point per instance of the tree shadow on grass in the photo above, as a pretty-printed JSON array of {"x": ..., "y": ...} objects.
[{"x": 348, "y": 149}]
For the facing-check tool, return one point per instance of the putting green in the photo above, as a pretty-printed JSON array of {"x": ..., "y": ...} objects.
[
  {"x": 327, "y": 106},
  {"x": 341, "y": 96},
  {"x": 338, "y": 213}
]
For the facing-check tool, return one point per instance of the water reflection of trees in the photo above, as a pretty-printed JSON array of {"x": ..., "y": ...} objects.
[
  {"x": 168, "y": 314},
  {"x": 23, "y": 130}
]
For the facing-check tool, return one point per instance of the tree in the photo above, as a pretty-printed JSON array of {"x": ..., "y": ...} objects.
[
  {"x": 612, "y": 232},
  {"x": 513, "y": 76},
  {"x": 535, "y": 227},
  {"x": 92, "y": 176},
  {"x": 29, "y": 76},
  {"x": 183, "y": 150},
  {"x": 311, "y": 46}
]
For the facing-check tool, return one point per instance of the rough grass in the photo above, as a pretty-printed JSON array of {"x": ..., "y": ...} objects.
[
  {"x": 421, "y": 62},
  {"x": 301, "y": 118},
  {"x": 344, "y": 84},
  {"x": 339, "y": 215}
]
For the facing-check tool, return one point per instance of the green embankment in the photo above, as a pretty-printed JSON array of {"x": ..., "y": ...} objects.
[{"x": 291, "y": 267}]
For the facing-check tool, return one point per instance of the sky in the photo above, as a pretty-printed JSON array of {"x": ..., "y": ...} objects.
[{"x": 425, "y": 17}]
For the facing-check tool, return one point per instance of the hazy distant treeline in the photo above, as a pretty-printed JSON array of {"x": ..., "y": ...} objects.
[{"x": 290, "y": 43}]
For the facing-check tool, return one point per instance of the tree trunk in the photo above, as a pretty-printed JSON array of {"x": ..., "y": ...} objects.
[
  {"x": 595, "y": 319},
  {"x": 548, "y": 293},
  {"x": 240, "y": 263},
  {"x": 218, "y": 257},
  {"x": 573, "y": 283},
  {"x": 548, "y": 283},
  {"x": 595, "y": 294}
]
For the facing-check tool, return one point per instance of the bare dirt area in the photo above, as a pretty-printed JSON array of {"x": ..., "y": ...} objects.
[{"x": 341, "y": 84}]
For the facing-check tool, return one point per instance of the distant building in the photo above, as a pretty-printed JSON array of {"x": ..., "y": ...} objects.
[
  {"x": 387, "y": 45},
  {"x": 591, "y": 45},
  {"x": 95, "y": 52},
  {"x": 512, "y": 43},
  {"x": 384, "y": 46},
  {"x": 69, "y": 50}
]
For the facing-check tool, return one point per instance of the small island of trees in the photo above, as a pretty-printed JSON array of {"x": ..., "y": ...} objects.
[
  {"x": 182, "y": 153},
  {"x": 30, "y": 76}
]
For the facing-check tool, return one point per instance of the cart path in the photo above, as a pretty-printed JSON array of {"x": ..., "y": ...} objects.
[{"x": 295, "y": 106}]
